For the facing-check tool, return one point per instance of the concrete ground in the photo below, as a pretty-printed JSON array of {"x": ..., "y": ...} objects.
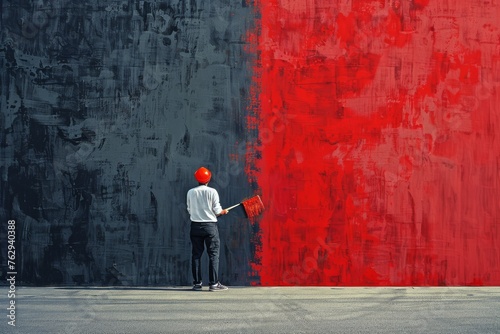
[{"x": 253, "y": 310}]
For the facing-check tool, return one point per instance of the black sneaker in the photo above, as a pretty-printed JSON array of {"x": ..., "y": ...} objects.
[
  {"x": 198, "y": 286},
  {"x": 218, "y": 287}
]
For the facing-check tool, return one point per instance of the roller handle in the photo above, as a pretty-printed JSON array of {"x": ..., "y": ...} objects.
[{"x": 232, "y": 207}]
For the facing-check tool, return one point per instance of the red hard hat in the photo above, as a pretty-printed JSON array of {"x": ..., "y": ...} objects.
[{"x": 202, "y": 175}]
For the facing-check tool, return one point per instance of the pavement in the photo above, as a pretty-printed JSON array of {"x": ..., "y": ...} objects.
[{"x": 251, "y": 310}]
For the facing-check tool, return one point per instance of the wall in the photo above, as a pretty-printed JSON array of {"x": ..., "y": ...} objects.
[
  {"x": 108, "y": 108},
  {"x": 380, "y": 154},
  {"x": 368, "y": 127}
]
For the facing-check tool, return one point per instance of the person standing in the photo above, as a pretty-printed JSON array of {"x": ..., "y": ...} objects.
[{"x": 204, "y": 207}]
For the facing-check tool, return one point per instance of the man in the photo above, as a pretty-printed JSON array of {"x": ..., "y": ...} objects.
[{"x": 204, "y": 208}]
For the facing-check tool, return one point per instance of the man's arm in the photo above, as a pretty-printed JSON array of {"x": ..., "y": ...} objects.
[
  {"x": 188, "y": 203},
  {"x": 216, "y": 207}
]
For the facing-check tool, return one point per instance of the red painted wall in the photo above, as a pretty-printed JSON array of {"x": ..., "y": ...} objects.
[{"x": 379, "y": 150}]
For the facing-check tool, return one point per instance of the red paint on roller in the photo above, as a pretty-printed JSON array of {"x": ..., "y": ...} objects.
[
  {"x": 378, "y": 153},
  {"x": 253, "y": 206}
]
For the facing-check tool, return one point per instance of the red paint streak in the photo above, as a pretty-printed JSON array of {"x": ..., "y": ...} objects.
[{"x": 378, "y": 159}]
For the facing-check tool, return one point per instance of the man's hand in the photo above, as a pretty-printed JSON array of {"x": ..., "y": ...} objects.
[{"x": 223, "y": 212}]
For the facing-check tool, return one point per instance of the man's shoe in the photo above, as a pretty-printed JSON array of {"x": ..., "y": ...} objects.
[
  {"x": 197, "y": 286},
  {"x": 218, "y": 287}
]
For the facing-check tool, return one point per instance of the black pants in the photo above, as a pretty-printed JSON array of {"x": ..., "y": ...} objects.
[{"x": 205, "y": 234}]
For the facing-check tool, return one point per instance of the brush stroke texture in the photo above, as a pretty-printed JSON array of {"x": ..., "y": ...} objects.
[
  {"x": 108, "y": 107},
  {"x": 379, "y": 150}
]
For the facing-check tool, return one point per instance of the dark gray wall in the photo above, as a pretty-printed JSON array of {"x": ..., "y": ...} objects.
[{"x": 107, "y": 108}]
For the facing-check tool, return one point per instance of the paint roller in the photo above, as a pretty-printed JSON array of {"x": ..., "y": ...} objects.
[{"x": 253, "y": 206}]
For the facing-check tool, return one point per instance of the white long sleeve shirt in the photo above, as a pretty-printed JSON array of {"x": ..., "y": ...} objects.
[{"x": 203, "y": 204}]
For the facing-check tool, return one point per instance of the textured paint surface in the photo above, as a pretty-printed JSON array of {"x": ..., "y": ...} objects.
[
  {"x": 379, "y": 154},
  {"x": 108, "y": 107}
]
